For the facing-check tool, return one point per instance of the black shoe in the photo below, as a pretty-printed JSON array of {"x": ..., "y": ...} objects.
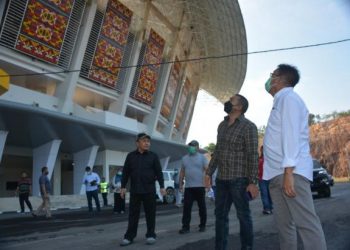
[
  {"x": 184, "y": 231},
  {"x": 201, "y": 229}
]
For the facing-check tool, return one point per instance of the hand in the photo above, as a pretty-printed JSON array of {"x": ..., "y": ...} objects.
[
  {"x": 181, "y": 189},
  {"x": 122, "y": 193},
  {"x": 253, "y": 190},
  {"x": 288, "y": 183},
  {"x": 162, "y": 191},
  {"x": 207, "y": 181}
]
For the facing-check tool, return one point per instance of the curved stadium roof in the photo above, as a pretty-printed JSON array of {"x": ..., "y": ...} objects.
[{"x": 210, "y": 28}]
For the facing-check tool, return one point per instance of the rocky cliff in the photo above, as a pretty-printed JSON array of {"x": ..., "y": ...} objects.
[{"x": 330, "y": 144}]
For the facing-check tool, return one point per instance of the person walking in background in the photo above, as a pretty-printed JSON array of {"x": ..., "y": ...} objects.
[
  {"x": 194, "y": 165},
  {"x": 119, "y": 203},
  {"x": 92, "y": 181},
  {"x": 264, "y": 186},
  {"x": 24, "y": 189},
  {"x": 143, "y": 168},
  {"x": 104, "y": 191},
  {"x": 45, "y": 189},
  {"x": 288, "y": 163},
  {"x": 236, "y": 158}
]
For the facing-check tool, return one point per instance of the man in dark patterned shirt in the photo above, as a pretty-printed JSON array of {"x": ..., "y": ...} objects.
[{"x": 236, "y": 158}]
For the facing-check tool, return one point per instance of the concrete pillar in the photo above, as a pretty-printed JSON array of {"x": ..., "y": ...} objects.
[
  {"x": 121, "y": 104},
  {"x": 164, "y": 162},
  {"x": 65, "y": 90},
  {"x": 3, "y": 136},
  {"x": 185, "y": 116},
  {"x": 170, "y": 127},
  {"x": 56, "y": 178},
  {"x": 152, "y": 119},
  {"x": 82, "y": 159},
  {"x": 44, "y": 156}
]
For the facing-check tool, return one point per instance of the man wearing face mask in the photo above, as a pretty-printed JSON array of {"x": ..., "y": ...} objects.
[
  {"x": 194, "y": 165},
  {"x": 236, "y": 159},
  {"x": 91, "y": 181},
  {"x": 288, "y": 163},
  {"x": 119, "y": 203}
]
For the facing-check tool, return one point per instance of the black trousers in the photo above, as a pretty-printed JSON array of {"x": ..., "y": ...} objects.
[
  {"x": 89, "y": 196},
  {"x": 191, "y": 195},
  {"x": 105, "y": 201},
  {"x": 149, "y": 205},
  {"x": 24, "y": 198},
  {"x": 119, "y": 203}
]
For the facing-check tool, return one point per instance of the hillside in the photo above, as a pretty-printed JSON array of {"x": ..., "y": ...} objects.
[{"x": 330, "y": 144}]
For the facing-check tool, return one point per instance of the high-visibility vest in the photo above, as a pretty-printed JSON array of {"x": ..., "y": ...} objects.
[
  {"x": 104, "y": 187},
  {"x": 4, "y": 82}
]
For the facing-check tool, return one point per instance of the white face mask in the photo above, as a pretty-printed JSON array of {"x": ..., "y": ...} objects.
[{"x": 119, "y": 173}]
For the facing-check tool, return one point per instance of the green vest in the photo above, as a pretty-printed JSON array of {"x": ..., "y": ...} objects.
[{"x": 104, "y": 187}]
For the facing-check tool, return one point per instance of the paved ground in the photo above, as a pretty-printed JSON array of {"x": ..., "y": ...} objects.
[{"x": 79, "y": 230}]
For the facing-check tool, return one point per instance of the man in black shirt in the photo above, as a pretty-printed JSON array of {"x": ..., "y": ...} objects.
[{"x": 143, "y": 168}]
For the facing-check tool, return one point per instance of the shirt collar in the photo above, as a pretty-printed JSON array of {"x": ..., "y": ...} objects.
[
  {"x": 282, "y": 91},
  {"x": 240, "y": 118}
]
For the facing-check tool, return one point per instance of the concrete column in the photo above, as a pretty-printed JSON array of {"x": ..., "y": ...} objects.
[
  {"x": 82, "y": 159},
  {"x": 44, "y": 156},
  {"x": 164, "y": 162},
  {"x": 184, "y": 117},
  {"x": 121, "y": 104},
  {"x": 56, "y": 178},
  {"x": 169, "y": 129},
  {"x": 3, "y": 136},
  {"x": 152, "y": 119},
  {"x": 65, "y": 90}
]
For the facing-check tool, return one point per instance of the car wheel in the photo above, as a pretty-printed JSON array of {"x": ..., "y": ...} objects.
[
  {"x": 326, "y": 192},
  {"x": 169, "y": 198}
]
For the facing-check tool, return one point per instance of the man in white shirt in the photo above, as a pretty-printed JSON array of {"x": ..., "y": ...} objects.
[
  {"x": 288, "y": 163},
  {"x": 91, "y": 181}
]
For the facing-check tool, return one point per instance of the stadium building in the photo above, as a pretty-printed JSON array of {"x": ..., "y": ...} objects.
[{"x": 87, "y": 75}]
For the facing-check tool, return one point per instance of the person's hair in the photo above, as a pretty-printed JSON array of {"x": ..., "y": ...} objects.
[
  {"x": 87, "y": 168},
  {"x": 43, "y": 169},
  {"x": 244, "y": 102},
  {"x": 289, "y": 73}
]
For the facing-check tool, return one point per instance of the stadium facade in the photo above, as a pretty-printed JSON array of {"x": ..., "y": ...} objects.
[{"x": 87, "y": 75}]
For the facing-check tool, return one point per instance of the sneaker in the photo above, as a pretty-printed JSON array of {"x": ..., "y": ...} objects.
[
  {"x": 201, "y": 229},
  {"x": 125, "y": 242},
  {"x": 150, "y": 240},
  {"x": 184, "y": 231},
  {"x": 267, "y": 212}
]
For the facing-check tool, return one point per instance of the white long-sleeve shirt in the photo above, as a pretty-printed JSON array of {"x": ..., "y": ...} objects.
[
  {"x": 88, "y": 178},
  {"x": 286, "y": 141}
]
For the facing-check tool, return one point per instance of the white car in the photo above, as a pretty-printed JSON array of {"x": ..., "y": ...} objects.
[{"x": 169, "y": 186}]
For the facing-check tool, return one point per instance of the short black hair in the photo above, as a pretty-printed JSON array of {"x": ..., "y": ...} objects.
[
  {"x": 244, "y": 102},
  {"x": 43, "y": 169},
  {"x": 87, "y": 168},
  {"x": 290, "y": 73}
]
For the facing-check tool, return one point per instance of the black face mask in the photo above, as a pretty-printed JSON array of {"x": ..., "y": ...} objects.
[{"x": 228, "y": 107}]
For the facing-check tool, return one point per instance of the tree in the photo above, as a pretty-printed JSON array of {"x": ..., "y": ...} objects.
[
  {"x": 210, "y": 148},
  {"x": 311, "y": 119}
]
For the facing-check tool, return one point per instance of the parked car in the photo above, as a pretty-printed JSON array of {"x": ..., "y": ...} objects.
[
  {"x": 322, "y": 180},
  {"x": 169, "y": 186}
]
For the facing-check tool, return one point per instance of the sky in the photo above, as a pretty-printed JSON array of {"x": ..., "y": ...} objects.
[{"x": 324, "y": 70}]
